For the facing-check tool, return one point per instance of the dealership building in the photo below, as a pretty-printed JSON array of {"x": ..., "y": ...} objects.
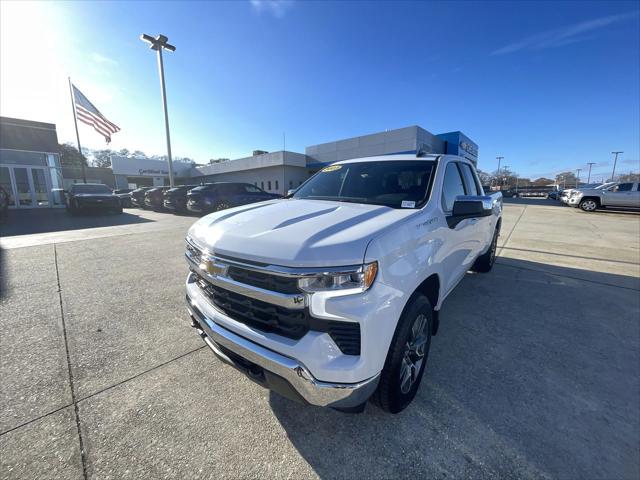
[
  {"x": 277, "y": 172},
  {"x": 30, "y": 170}
]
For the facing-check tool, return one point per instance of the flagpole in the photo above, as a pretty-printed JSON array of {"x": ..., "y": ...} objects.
[{"x": 75, "y": 121}]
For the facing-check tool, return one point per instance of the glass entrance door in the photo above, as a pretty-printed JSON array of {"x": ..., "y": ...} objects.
[
  {"x": 7, "y": 185},
  {"x": 23, "y": 187},
  {"x": 40, "y": 190},
  {"x": 27, "y": 187}
]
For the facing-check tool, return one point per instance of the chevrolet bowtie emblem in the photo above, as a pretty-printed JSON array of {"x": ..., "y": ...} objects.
[{"x": 212, "y": 268}]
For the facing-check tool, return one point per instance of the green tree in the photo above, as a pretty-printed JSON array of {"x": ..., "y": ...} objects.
[
  {"x": 102, "y": 158},
  {"x": 543, "y": 181},
  {"x": 485, "y": 178},
  {"x": 566, "y": 179},
  {"x": 69, "y": 156},
  {"x": 629, "y": 177},
  {"x": 123, "y": 152}
]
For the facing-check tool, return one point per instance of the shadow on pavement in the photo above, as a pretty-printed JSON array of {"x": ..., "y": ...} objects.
[
  {"x": 532, "y": 374},
  {"x": 544, "y": 202},
  {"x": 25, "y": 222}
]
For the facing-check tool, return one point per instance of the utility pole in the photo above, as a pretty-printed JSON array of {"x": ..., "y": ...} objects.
[
  {"x": 158, "y": 44},
  {"x": 589, "y": 177},
  {"x": 578, "y": 170},
  {"x": 498, "y": 174},
  {"x": 615, "y": 160}
]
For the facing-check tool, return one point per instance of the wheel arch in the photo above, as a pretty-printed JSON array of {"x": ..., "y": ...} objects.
[{"x": 430, "y": 288}]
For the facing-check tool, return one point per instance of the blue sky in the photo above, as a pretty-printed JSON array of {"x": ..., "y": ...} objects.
[{"x": 548, "y": 85}]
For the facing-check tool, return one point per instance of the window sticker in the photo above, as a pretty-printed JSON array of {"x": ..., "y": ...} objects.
[
  {"x": 408, "y": 204},
  {"x": 331, "y": 168}
]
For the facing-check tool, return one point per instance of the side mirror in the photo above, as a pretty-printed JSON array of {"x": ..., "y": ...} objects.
[
  {"x": 470, "y": 206},
  {"x": 290, "y": 193}
]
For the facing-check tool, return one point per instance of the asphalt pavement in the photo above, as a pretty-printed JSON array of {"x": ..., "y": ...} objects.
[{"x": 535, "y": 372}]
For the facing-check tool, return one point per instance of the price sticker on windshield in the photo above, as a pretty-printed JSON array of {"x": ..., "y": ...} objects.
[
  {"x": 408, "y": 204},
  {"x": 331, "y": 168}
]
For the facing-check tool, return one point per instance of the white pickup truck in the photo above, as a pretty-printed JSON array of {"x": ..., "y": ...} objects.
[{"x": 331, "y": 296}]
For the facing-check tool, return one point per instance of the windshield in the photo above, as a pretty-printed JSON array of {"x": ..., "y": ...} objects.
[
  {"x": 395, "y": 184},
  {"x": 79, "y": 188}
]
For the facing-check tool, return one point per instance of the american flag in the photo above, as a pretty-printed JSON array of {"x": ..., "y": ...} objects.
[{"x": 87, "y": 113}]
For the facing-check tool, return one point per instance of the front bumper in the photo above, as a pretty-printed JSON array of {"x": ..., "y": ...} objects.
[{"x": 275, "y": 371}]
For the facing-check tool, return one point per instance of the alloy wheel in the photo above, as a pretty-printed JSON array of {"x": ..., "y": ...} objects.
[
  {"x": 414, "y": 354},
  {"x": 589, "y": 205}
]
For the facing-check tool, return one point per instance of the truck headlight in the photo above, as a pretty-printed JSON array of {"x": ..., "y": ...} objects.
[{"x": 360, "y": 278}]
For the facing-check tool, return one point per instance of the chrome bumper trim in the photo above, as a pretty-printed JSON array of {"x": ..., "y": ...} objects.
[{"x": 324, "y": 394}]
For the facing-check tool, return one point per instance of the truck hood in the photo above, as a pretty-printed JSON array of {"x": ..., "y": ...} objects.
[{"x": 295, "y": 233}]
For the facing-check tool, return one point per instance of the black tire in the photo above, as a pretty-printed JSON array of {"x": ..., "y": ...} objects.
[
  {"x": 119, "y": 210},
  {"x": 395, "y": 390},
  {"x": 221, "y": 205},
  {"x": 484, "y": 263},
  {"x": 589, "y": 204}
]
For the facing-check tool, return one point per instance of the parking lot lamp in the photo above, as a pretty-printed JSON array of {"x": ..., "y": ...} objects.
[
  {"x": 158, "y": 44},
  {"x": 578, "y": 170},
  {"x": 589, "y": 177},
  {"x": 498, "y": 174},
  {"x": 615, "y": 160}
]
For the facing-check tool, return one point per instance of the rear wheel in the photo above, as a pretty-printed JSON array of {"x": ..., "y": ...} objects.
[
  {"x": 588, "y": 204},
  {"x": 407, "y": 357}
]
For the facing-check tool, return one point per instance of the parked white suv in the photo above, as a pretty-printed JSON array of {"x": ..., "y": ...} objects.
[{"x": 332, "y": 295}]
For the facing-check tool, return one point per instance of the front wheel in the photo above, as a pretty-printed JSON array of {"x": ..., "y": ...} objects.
[
  {"x": 588, "y": 205},
  {"x": 407, "y": 357},
  {"x": 222, "y": 206}
]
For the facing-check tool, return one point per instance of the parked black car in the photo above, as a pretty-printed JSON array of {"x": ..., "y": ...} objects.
[
  {"x": 91, "y": 196},
  {"x": 137, "y": 196},
  {"x": 153, "y": 198},
  {"x": 124, "y": 194},
  {"x": 175, "y": 199},
  {"x": 218, "y": 196}
]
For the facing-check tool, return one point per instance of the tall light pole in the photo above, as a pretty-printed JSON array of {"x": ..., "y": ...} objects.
[
  {"x": 158, "y": 44},
  {"x": 591, "y": 164},
  {"x": 499, "y": 160},
  {"x": 615, "y": 160},
  {"x": 578, "y": 170}
]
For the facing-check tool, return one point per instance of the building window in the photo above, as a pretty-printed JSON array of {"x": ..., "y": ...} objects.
[
  {"x": 269, "y": 185},
  {"x": 277, "y": 185},
  {"x": 262, "y": 185},
  {"x": 290, "y": 183},
  {"x": 255, "y": 184},
  {"x": 300, "y": 183}
]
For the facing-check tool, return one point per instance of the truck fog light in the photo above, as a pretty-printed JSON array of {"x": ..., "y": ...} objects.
[{"x": 360, "y": 278}]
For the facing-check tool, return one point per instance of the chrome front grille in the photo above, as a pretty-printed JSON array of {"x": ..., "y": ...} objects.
[{"x": 270, "y": 302}]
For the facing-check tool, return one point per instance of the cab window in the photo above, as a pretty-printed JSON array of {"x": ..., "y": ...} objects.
[
  {"x": 452, "y": 186},
  {"x": 471, "y": 183},
  {"x": 624, "y": 187}
]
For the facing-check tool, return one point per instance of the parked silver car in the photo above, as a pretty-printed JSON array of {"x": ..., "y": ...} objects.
[{"x": 618, "y": 195}]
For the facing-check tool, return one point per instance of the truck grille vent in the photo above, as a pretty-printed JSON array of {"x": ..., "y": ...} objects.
[
  {"x": 255, "y": 313},
  {"x": 346, "y": 335},
  {"x": 275, "y": 319},
  {"x": 266, "y": 281}
]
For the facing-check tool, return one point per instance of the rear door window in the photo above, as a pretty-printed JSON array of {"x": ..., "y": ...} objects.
[{"x": 472, "y": 186}]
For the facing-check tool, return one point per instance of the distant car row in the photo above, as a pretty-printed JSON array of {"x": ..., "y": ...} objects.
[
  {"x": 613, "y": 194},
  {"x": 199, "y": 199}
]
